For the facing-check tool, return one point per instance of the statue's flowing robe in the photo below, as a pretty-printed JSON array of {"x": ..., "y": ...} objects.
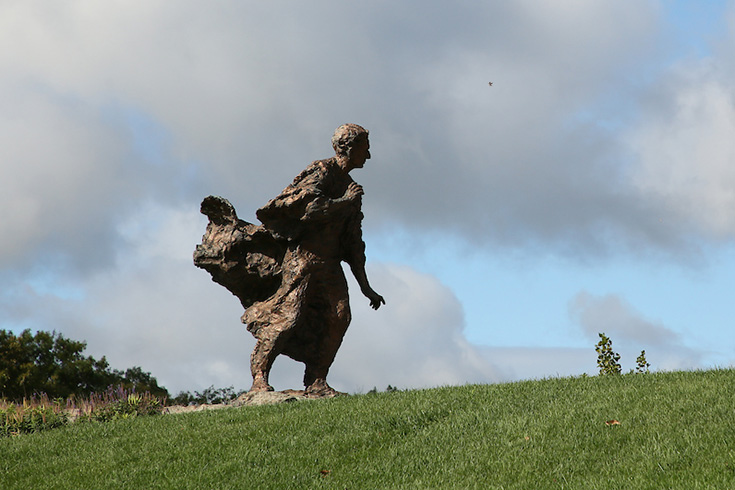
[
  {"x": 243, "y": 257},
  {"x": 309, "y": 312}
]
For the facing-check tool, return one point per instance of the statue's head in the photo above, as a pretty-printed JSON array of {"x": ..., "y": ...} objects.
[{"x": 346, "y": 136}]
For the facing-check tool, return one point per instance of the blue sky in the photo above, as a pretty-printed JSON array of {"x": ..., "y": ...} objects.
[{"x": 590, "y": 189}]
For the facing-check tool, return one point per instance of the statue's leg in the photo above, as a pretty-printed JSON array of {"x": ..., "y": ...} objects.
[
  {"x": 261, "y": 361},
  {"x": 315, "y": 376},
  {"x": 267, "y": 348},
  {"x": 282, "y": 313}
]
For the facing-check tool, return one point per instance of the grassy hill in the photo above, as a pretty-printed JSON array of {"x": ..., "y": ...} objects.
[{"x": 676, "y": 430}]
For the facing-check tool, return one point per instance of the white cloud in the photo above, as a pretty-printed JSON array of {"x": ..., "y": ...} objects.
[
  {"x": 252, "y": 93},
  {"x": 631, "y": 332},
  {"x": 415, "y": 340},
  {"x": 685, "y": 148},
  {"x": 53, "y": 184}
]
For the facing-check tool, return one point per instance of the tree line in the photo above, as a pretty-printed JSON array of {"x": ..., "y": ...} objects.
[{"x": 31, "y": 364}]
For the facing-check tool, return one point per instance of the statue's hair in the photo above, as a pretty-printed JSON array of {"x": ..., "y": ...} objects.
[{"x": 344, "y": 137}]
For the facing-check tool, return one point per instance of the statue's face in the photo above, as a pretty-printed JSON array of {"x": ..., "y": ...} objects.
[{"x": 360, "y": 152}]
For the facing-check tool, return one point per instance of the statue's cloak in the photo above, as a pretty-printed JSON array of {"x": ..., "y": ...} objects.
[{"x": 243, "y": 257}]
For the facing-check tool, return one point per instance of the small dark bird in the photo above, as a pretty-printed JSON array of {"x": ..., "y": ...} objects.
[{"x": 490, "y": 83}]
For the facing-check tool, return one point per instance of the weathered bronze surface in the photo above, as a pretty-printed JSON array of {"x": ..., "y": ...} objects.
[{"x": 287, "y": 272}]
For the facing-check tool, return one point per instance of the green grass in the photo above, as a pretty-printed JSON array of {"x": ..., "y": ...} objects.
[{"x": 677, "y": 431}]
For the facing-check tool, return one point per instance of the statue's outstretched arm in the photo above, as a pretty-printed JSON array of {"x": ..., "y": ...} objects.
[{"x": 375, "y": 299}]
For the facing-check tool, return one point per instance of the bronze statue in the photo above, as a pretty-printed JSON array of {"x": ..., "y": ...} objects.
[{"x": 287, "y": 273}]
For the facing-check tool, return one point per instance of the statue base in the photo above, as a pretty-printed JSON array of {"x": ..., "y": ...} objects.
[{"x": 252, "y": 398}]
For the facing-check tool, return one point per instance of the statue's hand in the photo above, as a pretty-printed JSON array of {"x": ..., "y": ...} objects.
[
  {"x": 375, "y": 299},
  {"x": 354, "y": 191}
]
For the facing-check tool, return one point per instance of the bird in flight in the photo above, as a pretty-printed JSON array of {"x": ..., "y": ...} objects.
[{"x": 490, "y": 83}]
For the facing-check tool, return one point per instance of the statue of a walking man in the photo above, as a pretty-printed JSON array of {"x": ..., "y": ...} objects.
[{"x": 287, "y": 272}]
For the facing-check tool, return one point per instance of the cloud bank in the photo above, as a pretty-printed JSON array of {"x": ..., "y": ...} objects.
[{"x": 236, "y": 99}]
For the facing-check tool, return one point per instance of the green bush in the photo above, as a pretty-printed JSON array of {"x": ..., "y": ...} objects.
[
  {"x": 39, "y": 413},
  {"x": 119, "y": 403},
  {"x": 607, "y": 358}
]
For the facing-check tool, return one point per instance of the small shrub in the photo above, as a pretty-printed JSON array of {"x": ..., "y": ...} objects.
[
  {"x": 642, "y": 364},
  {"x": 607, "y": 359}
]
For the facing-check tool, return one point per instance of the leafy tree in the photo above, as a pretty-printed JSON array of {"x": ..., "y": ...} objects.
[
  {"x": 135, "y": 379},
  {"x": 51, "y": 364}
]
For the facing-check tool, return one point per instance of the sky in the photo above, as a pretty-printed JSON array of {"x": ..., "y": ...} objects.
[{"x": 590, "y": 189}]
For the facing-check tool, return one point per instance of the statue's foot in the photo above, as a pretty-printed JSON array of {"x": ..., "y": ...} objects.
[
  {"x": 260, "y": 384},
  {"x": 320, "y": 388}
]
